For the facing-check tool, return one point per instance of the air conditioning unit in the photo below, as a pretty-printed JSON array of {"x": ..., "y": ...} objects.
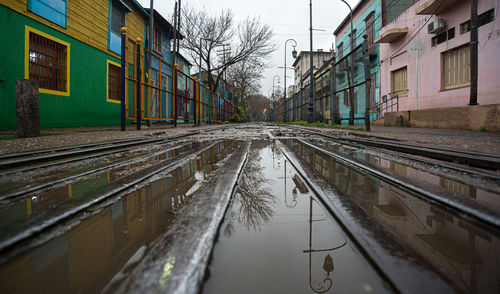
[{"x": 437, "y": 26}]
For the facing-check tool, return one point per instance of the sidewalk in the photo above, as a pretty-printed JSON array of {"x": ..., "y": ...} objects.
[{"x": 487, "y": 142}]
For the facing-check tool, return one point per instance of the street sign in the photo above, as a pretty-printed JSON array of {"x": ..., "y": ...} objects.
[{"x": 416, "y": 49}]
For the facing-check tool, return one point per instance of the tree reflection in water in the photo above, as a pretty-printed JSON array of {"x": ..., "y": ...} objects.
[{"x": 253, "y": 204}]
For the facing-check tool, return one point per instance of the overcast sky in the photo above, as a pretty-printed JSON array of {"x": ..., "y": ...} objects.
[{"x": 288, "y": 18}]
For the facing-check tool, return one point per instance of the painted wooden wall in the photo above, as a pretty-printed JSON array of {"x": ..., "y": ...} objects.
[{"x": 87, "y": 21}]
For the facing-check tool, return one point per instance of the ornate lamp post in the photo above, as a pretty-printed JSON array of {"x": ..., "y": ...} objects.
[{"x": 294, "y": 54}]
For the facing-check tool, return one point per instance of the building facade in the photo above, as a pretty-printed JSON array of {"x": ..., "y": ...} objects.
[
  {"x": 366, "y": 21},
  {"x": 72, "y": 48},
  {"x": 302, "y": 63},
  {"x": 443, "y": 27}
]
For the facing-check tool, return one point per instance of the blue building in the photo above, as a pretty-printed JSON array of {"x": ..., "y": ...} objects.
[{"x": 367, "y": 19}]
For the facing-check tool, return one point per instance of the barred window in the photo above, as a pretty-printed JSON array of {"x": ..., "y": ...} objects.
[
  {"x": 370, "y": 31},
  {"x": 340, "y": 51},
  {"x": 456, "y": 68},
  {"x": 48, "y": 63},
  {"x": 399, "y": 82},
  {"x": 114, "y": 83},
  {"x": 157, "y": 40}
]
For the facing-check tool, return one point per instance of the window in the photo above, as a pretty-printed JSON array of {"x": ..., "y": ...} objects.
[
  {"x": 54, "y": 10},
  {"x": 399, "y": 82},
  {"x": 370, "y": 31},
  {"x": 482, "y": 19},
  {"x": 353, "y": 39},
  {"x": 157, "y": 40},
  {"x": 113, "y": 83},
  {"x": 340, "y": 51},
  {"x": 456, "y": 68},
  {"x": 117, "y": 20},
  {"x": 47, "y": 61},
  {"x": 443, "y": 37},
  {"x": 347, "y": 101}
]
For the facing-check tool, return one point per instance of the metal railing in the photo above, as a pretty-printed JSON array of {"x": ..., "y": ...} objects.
[
  {"x": 392, "y": 103},
  {"x": 157, "y": 91}
]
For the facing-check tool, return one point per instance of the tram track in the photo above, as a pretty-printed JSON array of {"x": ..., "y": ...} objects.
[
  {"x": 22, "y": 162},
  {"x": 67, "y": 180},
  {"x": 66, "y": 210},
  {"x": 488, "y": 164},
  {"x": 459, "y": 207},
  {"x": 360, "y": 231}
]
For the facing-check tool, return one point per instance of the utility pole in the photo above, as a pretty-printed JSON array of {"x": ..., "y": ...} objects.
[
  {"x": 178, "y": 27},
  {"x": 150, "y": 43},
  {"x": 473, "y": 53},
  {"x": 310, "y": 107}
]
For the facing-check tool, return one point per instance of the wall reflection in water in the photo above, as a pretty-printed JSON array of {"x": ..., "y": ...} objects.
[
  {"x": 465, "y": 252},
  {"x": 33, "y": 209},
  {"x": 482, "y": 197},
  {"x": 98, "y": 253}
]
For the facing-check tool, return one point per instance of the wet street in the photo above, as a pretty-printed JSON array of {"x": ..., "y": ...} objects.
[
  {"x": 248, "y": 209},
  {"x": 278, "y": 238}
]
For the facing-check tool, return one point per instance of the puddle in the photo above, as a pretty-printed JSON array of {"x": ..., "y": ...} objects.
[
  {"x": 276, "y": 238},
  {"x": 20, "y": 181},
  {"x": 98, "y": 253},
  {"x": 487, "y": 199},
  {"x": 465, "y": 252}
]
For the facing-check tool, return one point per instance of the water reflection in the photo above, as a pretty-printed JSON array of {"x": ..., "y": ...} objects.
[
  {"x": 35, "y": 207},
  {"x": 328, "y": 267},
  {"x": 97, "y": 254},
  {"x": 253, "y": 203},
  {"x": 288, "y": 245},
  {"x": 487, "y": 199},
  {"x": 462, "y": 250}
]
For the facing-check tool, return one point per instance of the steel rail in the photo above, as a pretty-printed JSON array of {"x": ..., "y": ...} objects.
[
  {"x": 36, "y": 152},
  {"x": 423, "y": 150},
  {"x": 72, "y": 178},
  {"x": 490, "y": 176},
  {"x": 459, "y": 207},
  {"x": 383, "y": 262},
  {"x": 45, "y": 224},
  {"x": 72, "y": 154}
]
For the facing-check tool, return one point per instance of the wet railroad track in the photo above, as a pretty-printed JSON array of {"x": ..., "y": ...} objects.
[{"x": 343, "y": 216}]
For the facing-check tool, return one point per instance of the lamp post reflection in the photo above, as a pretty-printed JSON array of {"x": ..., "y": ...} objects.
[
  {"x": 275, "y": 154},
  {"x": 328, "y": 266}
]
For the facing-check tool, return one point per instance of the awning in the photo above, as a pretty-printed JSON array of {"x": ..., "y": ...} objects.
[
  {"x": 391, "y": 35},
  {"x": 435, "y": 6}
]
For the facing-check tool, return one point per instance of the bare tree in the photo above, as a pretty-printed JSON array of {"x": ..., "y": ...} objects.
[
  {"x": 256, "y": 106},
  {"x": 250, "y": 42},
  {"x": 245, "y": 79}
]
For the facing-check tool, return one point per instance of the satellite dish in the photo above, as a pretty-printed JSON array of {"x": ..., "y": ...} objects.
[{"x": 416, "y": 49}]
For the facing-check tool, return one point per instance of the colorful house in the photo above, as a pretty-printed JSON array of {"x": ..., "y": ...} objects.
[
  {"x": 72, "y": 48},
  {"x": 161, "y": 69},
  {"x": 366, "y": 20},
  {"x": 444, "y": 78}
]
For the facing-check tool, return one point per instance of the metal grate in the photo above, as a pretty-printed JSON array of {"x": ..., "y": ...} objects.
[
  {"x": 114, "y": 76},
  {"x": 48, "y": 63}
]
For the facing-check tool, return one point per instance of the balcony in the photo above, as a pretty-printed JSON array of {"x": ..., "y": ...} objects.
[
  {"x": 436, "y": 6},
  {"x": 391, "y": 35}
]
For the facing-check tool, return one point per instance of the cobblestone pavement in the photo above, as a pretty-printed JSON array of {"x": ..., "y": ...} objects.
[{"x": 488, "y": 142}]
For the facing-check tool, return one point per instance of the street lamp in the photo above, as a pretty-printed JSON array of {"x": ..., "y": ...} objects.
[{"x": 294, "y": 54}]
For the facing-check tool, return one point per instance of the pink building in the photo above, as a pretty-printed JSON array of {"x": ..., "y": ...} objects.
[{"x": 443, "y": 26}]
